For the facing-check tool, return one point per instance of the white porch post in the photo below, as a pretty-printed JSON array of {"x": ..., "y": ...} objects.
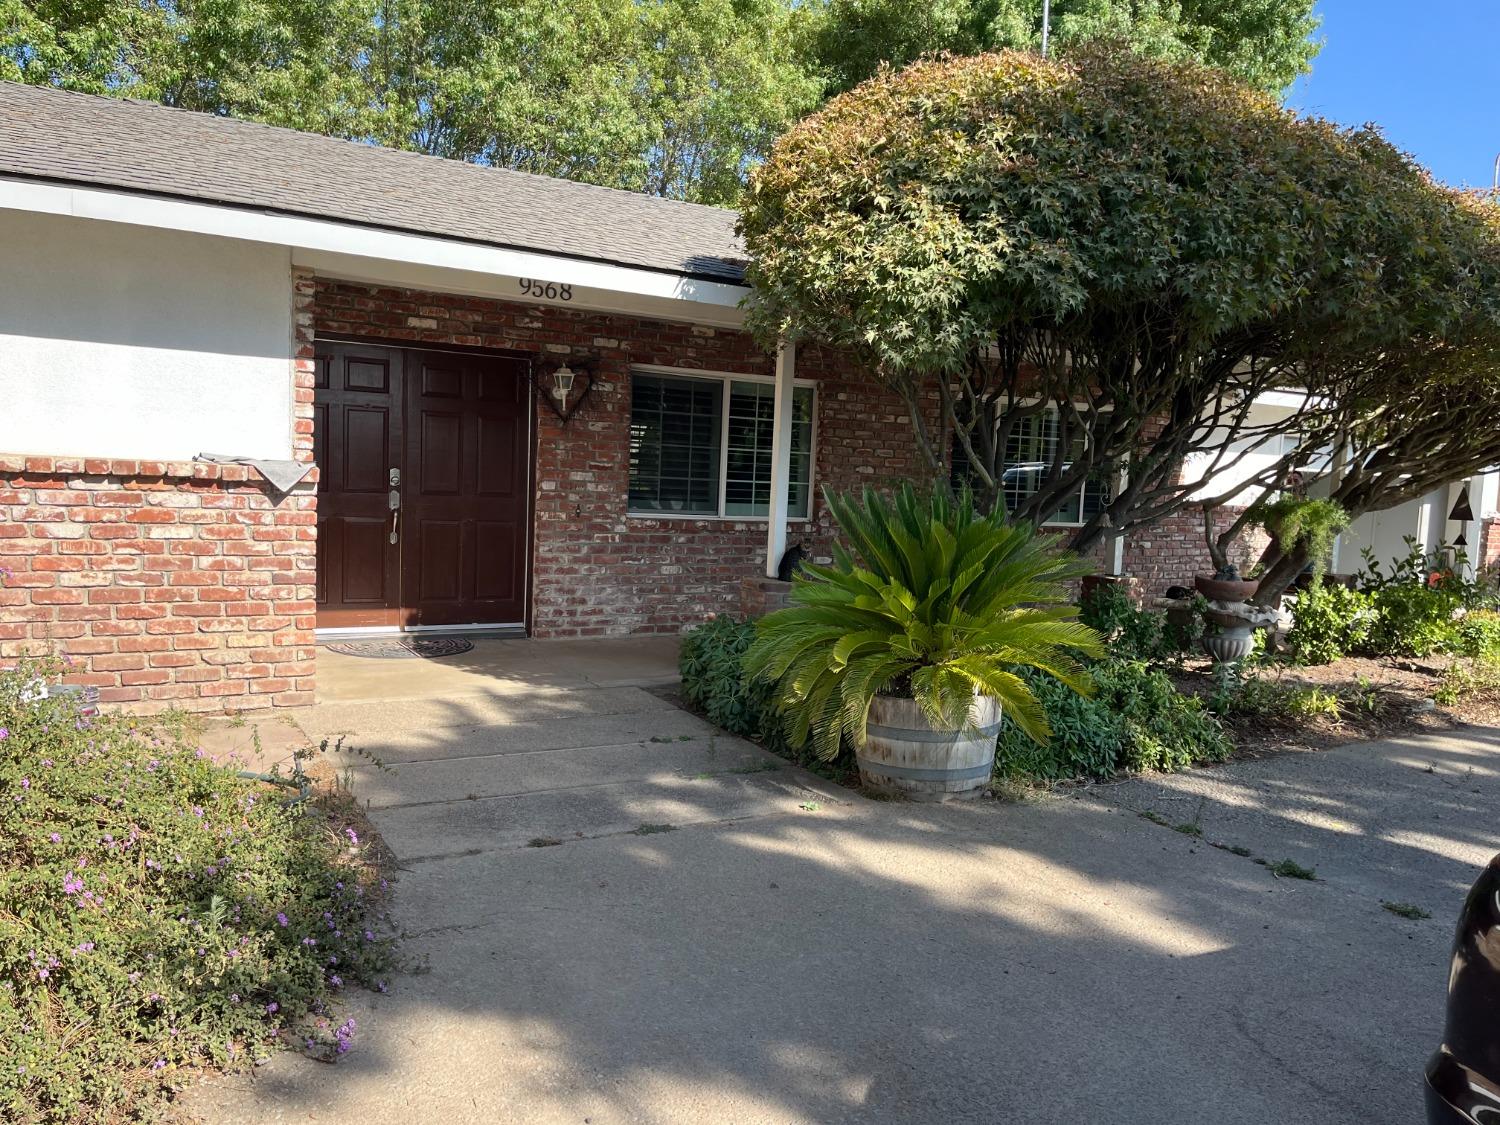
[{"x": 781, "y": 455}]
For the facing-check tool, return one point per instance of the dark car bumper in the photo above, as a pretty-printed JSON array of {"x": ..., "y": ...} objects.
[{"x": 1457, "y": 1095}]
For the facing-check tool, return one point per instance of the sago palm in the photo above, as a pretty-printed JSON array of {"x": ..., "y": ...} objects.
[{"x": 929, "y": 601}]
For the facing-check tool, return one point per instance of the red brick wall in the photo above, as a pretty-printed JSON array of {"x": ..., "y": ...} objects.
[
  {"x": 598, "y": 570},
  {"x": 182, "y": 584},
  {"x": 1171, "y": 551},
  {"x": 1488, "y": 555},
  {"x": 166, "y": 583}
]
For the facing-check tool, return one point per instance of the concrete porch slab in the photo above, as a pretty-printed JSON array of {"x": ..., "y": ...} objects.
[{"x": 496, "y": 664}]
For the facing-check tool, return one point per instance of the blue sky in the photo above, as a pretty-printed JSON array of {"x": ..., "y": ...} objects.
[{"x": 1427, "y": 71}]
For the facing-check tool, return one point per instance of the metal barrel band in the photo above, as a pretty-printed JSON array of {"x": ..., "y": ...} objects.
[
  {"x": 907, "y": 773},
  {"x": 904, "y": 734}
]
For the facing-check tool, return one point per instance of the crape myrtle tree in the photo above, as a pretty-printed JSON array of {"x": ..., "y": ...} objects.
[{"x": 1134, "y": 248}]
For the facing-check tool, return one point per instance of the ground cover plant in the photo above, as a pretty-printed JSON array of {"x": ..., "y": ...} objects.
[
  {"x": 157, "y": 912},
  {"x": 714, "y": 684}
]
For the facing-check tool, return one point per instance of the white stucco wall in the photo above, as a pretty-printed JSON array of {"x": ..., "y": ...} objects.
[
  {"x": 1247, "y": 459},
  {"x": 120, "y": 341}
]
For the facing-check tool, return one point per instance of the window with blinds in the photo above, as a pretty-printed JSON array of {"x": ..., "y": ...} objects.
[{"x": 702, "y": 446}]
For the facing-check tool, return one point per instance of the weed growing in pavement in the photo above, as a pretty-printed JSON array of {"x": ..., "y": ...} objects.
[{"x": 1291, "y": 869}]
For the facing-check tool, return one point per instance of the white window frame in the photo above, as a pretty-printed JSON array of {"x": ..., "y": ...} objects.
[
  {"x": 1120, "y": 470},
  {"x": 726, "y": 378}
]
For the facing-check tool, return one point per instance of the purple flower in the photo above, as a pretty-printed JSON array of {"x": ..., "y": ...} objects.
[
  {"x": 272, "y": 1008},
  {"x": 4, "y": 733},
  {"x": 72, "y": 885},
  {"x": 353, "y": 839},
  {"x": 55, "y": 838},
  {"x": 26, "y": 783},
  {"x": 281, "y": 918}
]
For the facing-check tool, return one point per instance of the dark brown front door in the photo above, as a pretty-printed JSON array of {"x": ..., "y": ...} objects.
[{"x": 423, "y": 511}]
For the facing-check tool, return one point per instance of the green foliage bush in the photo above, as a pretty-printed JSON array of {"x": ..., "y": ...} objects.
[
  {"x": 1088, "y": 739},
  {"x": 1477, "y": 635},
  {"x": 1166, "y": 729},
  {"x": 1415, "y": 602},
  {"x": 158, "y": 911},
  {"x": 1329, "y": 622},
  {"x": 714, "y": 683},
  {"x": 1136, "y": 720},
  {"x": 1412, "y": 620},
  {"x": 1133, "y": 633}
]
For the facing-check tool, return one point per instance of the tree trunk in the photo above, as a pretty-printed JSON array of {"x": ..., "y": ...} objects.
[{"x": 1281, "y": 570}]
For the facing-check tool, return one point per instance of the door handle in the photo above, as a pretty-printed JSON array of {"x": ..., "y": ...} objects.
[{"x": 395, "y": 505}]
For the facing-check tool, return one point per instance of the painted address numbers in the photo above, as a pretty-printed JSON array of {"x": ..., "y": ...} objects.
[{"x": 547, "y": 290}]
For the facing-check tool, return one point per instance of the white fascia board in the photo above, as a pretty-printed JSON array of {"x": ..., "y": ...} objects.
[
  {"x": 377, "y": 255},
  {"x": 1291, "y": 400}
]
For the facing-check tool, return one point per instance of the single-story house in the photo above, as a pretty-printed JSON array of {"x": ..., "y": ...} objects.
[{"x": 259, "y": 386}]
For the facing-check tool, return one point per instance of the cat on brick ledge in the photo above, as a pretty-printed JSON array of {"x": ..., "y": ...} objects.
[{"x": 792, "y": 560}]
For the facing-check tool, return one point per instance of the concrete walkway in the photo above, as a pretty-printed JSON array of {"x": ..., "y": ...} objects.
[{"x": 793, "y": 954}]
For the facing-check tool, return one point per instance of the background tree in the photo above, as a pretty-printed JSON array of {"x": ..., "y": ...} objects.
[
  {"x": 1266, "y": 43},
  {"x": 1137, "y": 249},
  {"x": 285, "y": 62},
  {"x": 676, "y": 97}
]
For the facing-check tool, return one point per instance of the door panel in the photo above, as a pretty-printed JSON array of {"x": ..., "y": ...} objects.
[
  {"x": 468, "y": 445},
  {"x": 357, "y": 419},
  {"x": 456, "y": 428}
]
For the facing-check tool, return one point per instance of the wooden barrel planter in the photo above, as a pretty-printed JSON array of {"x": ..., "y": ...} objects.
[{"x": 904, "y": 754}]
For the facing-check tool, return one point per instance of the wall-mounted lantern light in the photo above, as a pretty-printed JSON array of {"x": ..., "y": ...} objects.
[{"x": 556, "y": 386}]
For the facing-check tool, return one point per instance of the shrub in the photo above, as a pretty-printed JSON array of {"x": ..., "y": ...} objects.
[
  {"x": 159, "y": 911},
  {"x": 1132, "y": 633},
  {"x": 1165, "y": 730},
  {"x": 1412, "y": 620},
  {"x": 1088, "y": 739},
  {"x": 935, "y": 603},
  {"x": 1136, "y": 720},
  {"x": 1329, "y": 622},
  {"x": 1477, "y": 635},
  {"x": 714, "y": 682},
  {"x": 1416, "y": 602}
]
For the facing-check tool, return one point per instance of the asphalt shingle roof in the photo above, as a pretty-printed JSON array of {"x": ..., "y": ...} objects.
[{"x": 58, "y": 135}]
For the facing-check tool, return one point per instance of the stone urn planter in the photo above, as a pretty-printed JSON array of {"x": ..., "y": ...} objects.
[
  {"x": 1230, "y": 646},
  {"x": 1226, "y": 589},
  {"x": 904, "y": 754}
]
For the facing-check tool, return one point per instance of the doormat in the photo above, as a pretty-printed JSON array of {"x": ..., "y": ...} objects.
[{"x": 403, "y": 648}]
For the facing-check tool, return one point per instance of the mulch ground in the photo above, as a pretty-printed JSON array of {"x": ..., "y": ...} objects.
[{"x": 1384, "y": 697}]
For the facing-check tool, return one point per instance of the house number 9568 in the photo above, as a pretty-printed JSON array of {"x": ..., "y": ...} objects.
[{"x": 548, "y": 290}]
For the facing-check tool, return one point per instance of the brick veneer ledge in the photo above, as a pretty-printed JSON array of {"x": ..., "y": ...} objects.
[
  {"x": 166, "y": 586},
  {"x": 12, "y": 464}
]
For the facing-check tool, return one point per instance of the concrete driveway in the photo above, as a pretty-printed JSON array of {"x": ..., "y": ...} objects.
[{"x": 791, "y": 953}]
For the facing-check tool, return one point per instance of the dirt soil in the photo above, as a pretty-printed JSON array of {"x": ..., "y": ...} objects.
[{"x": 1379, "y": 697}]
